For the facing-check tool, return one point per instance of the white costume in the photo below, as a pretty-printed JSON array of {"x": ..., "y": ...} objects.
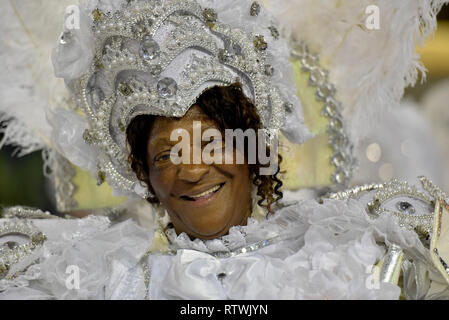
[{"x": 129, "y": 58}]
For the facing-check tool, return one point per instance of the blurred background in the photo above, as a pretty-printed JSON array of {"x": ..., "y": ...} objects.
[
  {"x": 411, "y": 141},
  {"x": 414, "y": 140}
]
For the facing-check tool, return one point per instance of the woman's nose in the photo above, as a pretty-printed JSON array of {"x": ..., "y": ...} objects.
[{"x": 192, "y": 173}]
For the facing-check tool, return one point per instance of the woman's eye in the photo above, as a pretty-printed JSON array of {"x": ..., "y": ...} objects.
[{"x": 162, "y": 157}]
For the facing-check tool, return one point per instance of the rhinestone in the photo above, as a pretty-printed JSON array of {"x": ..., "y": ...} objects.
[
  {"x": 138, "y": 28},
  {"x": 149, "y": 49},
  {"x": 155, "y": 70},
  {"x": 406, "y": 207},
  {"x": 167, "y": 88},
  {"x": 325, "y": 91},
  {"x": 309, "y": 61},
  {"x": 224, "y": 56},
  {"x": 210, "y": 15},
  {"x": 336, "y": 124},
  {"x": 125, "y": 89},
  {"x": 232, "y": 48},
  {"x": 338, "y": 140},
  {"x": 121, "y": 126},
  {"x": 331, "y": 109},
  {"x": 269, "y": 70},
  {"x": 338, "y": 160},
  {"x": 340, "y": 177},
  {"x": 87, "y": 136},
  {"x": 317, "y": 76},
  {"x": 274, "y": 32},
  {"x": 288, "y": 107},
  {"x": 260, "y": 43},
  {"x": 101, "y": 178},
  {"x": 373, "y": 206},
  {"x": 97, "y": 15},
  {"x": 255, "y": 9},
  {"x": 38, "y": 238}
]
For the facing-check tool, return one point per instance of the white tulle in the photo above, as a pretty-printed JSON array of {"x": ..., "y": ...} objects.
[
  {"x": 323, "y": 251},
  {"x": 104, "y": 256},
  {"x": 327, "y": 253}
]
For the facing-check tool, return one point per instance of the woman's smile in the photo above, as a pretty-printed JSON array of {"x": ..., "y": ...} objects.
[{"x": 204, "y": 198}]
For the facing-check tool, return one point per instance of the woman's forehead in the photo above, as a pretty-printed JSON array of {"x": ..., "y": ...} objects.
[{"x": 163, "y": 126}]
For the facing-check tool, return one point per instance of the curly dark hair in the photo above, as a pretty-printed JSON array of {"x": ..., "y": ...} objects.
[{"x": 230, "y": 109}]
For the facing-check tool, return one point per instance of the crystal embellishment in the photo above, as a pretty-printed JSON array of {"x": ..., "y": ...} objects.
[
  {"x": 97, "y": 15},
  {"x": 255, "y": 9},
  {"x": 210, "y": 15},
  {"x": 125, "y": 89},
  {"x": 406, "y": 207},
  {"x": 269, "y": 70},
  {"x": 274, "y": 32},
  {"x": 167, "y": 88},
  {"x": 260, "y": 43},
  {"x": 233, "y": 48},
  {"x": 149, "y": 49},
  {"x": 139, "y": 28},
  {"x": 87, "y": 136},
  {"x": 155, "y": 70}
]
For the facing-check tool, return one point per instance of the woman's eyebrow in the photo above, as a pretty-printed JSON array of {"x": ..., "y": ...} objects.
[{"x": 158, "y": 141}]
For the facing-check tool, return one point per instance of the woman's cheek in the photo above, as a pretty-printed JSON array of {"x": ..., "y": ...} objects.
[{"x": 162, "y": 180}]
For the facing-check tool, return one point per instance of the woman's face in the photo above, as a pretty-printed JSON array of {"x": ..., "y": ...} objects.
[{"x": 204, "y": 201}]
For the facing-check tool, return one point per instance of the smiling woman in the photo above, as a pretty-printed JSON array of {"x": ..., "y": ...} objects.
[
  {"x": 204, "y": 201},
  {"x": 138, "y": 71}
]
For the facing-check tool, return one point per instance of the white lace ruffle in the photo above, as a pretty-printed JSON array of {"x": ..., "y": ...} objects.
[
  {"x": 103, "y": 255},
  {"x": 324, "y": 251},
  {"x": 321, "y": 251}
]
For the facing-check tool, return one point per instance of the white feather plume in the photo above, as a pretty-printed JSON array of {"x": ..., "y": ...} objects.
[
  {"x": 370, "y": 68},
  {"x": 28, "y": 87}
]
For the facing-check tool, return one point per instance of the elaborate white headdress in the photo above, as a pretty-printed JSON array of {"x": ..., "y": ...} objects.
[{"x": 157, "y": 57}]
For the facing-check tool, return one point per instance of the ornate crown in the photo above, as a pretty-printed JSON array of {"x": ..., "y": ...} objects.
[{"x": 157, "y": 57}]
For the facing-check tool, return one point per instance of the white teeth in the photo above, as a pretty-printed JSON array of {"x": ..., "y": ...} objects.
[{"x": 206, "y": 192}]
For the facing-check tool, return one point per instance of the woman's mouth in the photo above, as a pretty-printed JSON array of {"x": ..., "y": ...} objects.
[{"x": 204, "y": 197}]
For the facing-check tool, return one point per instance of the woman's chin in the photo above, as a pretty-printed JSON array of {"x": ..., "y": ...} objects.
[{"x": 209, "y": 232}]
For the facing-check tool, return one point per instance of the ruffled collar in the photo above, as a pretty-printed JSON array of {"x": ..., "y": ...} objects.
[{"x": 255, "y": 232}]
